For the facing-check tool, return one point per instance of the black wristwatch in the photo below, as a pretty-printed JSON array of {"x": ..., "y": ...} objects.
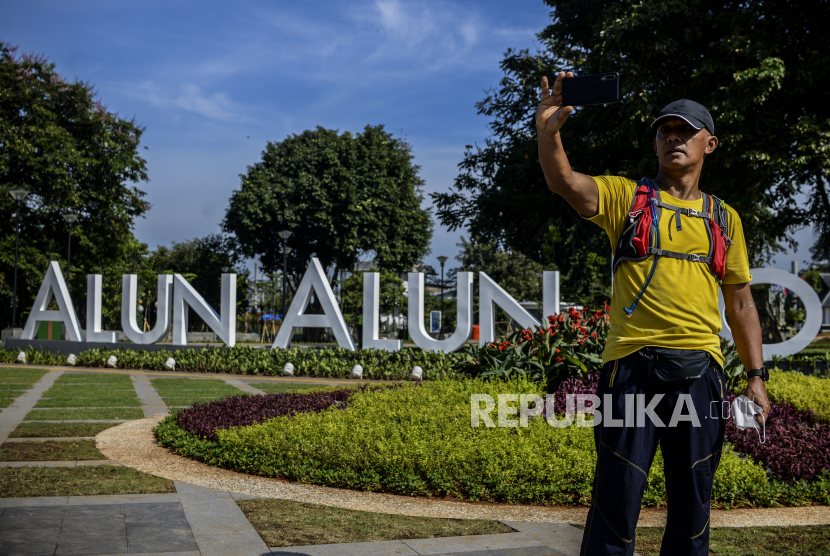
[{"x": 762, "y": 372}]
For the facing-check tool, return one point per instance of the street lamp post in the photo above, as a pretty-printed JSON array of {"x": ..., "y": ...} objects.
[
  {"x": 70, "y": 218},
  {"x": 18, "y": 195},
  {"x": 442, "y": 260},
  {"x": 285, "y": 234}
]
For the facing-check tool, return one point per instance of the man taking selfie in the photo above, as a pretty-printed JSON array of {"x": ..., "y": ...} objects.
[{"x": 674, "y": 246}]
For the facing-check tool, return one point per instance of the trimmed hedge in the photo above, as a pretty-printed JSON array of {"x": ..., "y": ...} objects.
[
  {"x": 417, "y": 440},
  {"x": 805, "y": 393},
  {"x": 330, "y": 362}
]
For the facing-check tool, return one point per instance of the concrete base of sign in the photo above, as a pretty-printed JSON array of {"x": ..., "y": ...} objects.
[
  {"x": 11, "y": 333},
  {"x": 61, "y": 347}
]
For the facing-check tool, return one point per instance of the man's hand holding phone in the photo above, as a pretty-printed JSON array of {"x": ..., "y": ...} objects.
[{"x": 550, "y": 115}]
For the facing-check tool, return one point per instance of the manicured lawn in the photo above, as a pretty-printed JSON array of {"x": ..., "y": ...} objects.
[
  {"x": 69, "y": 390},
  {"x": 88, "y": 402},
  {"x": 83, "y": 414},
  {"x": 47, "y": 430},
  {"x": 21, "y": 482},
  {"x": 182, "y": 392},
  {"x": 15, "y": 382},
  {"x": 286, "y": 523},
  {"x": 279, "y": 387},
  {"x": 50, "y": 451},
  {"x": 122, "y": 381},
  {"x": 750, "y": 541}
]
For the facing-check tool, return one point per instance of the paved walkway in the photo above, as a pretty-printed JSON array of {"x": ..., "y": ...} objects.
[{"x": 198, "y": 521}]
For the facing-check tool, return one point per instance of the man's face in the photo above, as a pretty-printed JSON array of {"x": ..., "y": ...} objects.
[{"x": 679, "y": 145}]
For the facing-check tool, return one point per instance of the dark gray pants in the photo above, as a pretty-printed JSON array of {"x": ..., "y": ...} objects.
[{"x": 624, "y": 454}]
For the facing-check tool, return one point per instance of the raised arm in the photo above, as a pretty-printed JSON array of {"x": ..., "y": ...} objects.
[
  {"x": 746, "y": 331},
  {"x": 579, "y": 190}
]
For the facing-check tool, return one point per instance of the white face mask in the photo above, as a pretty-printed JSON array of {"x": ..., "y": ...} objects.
[{"x": 744, "y": 411}]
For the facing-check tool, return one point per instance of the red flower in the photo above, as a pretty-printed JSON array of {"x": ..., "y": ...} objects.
[
  {"x": 594, "y": 335},
  {"x": 558, "y": 359}
]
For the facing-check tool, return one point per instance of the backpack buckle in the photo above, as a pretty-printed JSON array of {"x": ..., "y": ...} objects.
[{"x": 694, "y": 258}]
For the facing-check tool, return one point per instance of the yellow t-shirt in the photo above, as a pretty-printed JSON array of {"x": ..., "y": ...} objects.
[{"x": 680, "y": 307}]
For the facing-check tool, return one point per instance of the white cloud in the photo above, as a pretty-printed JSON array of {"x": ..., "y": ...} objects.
[{"x": 191, "y": 98}]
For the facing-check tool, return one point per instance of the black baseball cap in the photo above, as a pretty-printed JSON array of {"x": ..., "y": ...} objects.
[{"x": 694, "y": 113}]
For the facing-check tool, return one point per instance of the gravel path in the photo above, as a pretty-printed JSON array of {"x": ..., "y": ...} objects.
[{"x": 132, "y": 444}]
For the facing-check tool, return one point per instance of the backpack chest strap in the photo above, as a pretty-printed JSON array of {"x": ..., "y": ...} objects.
[
  {"x": 678, "y": 211},
  {"x": 676, "y": 255}
]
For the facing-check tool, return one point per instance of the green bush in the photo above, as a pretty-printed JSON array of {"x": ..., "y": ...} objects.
[
  {"x": 417, "y": 440},
  {"x": 330, "y": 363},
  {"x": 802, "y": 391}
]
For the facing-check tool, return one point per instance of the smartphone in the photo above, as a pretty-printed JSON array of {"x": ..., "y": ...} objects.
[{"x": 588, "y": 90}]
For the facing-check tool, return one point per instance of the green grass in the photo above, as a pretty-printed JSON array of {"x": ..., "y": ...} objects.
[
  {"x": 76, "y": 414},
  {"x": 279, "y": 387},
  {"x": 50, "y": 451},
  {"x": 750, "y": 541},
  {"x": 25, "y": 482},
  {"x": 15, "y": 382},
  {"x": 48, "y": 430},
  {"x": 181, "y": 392},
  {"x": 123, "y": 381},
  {"x": 69, "y": 390},
  {"x": 88, "y": 402},
  {"x": 287, "y": 523}
]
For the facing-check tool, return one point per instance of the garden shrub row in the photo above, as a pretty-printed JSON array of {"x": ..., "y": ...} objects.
[
  {"x": 329, "y": 363},
  {"x": 417, "y": 440}
]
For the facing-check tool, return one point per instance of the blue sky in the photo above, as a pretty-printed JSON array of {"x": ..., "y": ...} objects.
[{"x": 214, "y": 81}]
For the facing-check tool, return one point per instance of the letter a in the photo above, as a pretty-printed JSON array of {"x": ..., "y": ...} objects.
[
  {"x": 53, "y": 286},
  {"x": 314, "y": 281}
]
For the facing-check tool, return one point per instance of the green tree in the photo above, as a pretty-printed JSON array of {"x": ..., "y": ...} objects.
[
  {"x": 71, "y": 154},
  {"x": 200, "y": 261},
  {"x": 756, "y": 65},
  {"x": 341, "y": 194},
  {"x": 514, "y": 271},
  {"x": 390, "y": 297}
]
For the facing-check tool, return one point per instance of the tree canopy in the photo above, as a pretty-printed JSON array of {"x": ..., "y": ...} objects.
[
  {"x": 71, "y": 154},
  {"x": 341, "y": 194},
  {"x": 759, "y": 68}
]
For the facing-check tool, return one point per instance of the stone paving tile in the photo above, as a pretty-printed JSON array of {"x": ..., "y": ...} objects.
[
  {"x": 151, "y": 402},
  {"x": 31, "y": 518},
  {"x": 144, "y": 537},
  {"x": 244, "y": 386},
  {"x": 23, "y": 542},
  {"x": 86, "y": 543},
  {"x": 111, "y": 499},
  {"x": 383, "y": 548},
  {"x": 452, "y": 545},
  {"x": 34, "y": 502},
  {"x": 563, "y": 536},
  {"x": 50, "y": 439}
]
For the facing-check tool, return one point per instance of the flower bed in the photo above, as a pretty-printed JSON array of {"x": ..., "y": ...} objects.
[
  {"x": 417, "y": 440},
  {"x": 205, "y": 419}
]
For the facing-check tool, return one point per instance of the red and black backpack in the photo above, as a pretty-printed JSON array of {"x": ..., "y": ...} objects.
[{"x": 640, "y": 238}]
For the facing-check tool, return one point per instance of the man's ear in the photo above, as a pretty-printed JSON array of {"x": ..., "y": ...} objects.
[
  {"x": 711, "y": 144},
  {"x": 654, "y": 145}
]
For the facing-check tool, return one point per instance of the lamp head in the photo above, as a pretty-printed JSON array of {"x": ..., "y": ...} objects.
[
  {"x": 285, "y": 234},
  {"x": 70, "y": 217},
  {"x": 442, "y": 260},
  {"x": 286, "y": 250},
  {"x": 225, "y": 269},
  {"x": 18, "y": 194}
]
